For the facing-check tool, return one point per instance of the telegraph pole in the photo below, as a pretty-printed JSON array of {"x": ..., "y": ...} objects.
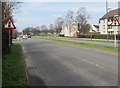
[{"x": 107, "y": 19}]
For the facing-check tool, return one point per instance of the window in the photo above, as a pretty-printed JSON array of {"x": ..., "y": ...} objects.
[
  {"x": 103, "y": 27},
  {"x": 109, "y": 20},
  {"x": 109, "y": 27}
]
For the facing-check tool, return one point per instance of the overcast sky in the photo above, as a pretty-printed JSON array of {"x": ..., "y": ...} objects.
[{"x": 38, "y": 13}]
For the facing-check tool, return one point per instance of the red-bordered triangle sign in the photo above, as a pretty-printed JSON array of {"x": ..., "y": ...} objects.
[
  {"x": 9, "y": 24},
  {"x": 115, "y": 22}
]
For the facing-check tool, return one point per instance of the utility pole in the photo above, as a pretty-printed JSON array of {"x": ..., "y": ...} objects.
[{"x": 107, "y": 19}]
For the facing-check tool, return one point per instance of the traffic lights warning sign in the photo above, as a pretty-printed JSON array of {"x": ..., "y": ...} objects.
[
  {"x": 115, "y": 22},
  {"x": 9, "y": 24}
]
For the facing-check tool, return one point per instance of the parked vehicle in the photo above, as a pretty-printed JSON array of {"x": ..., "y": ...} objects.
[
  {"x": 24, "y": 37},
  {"x": 29, "y": 36},
  {"x": 14, "y": 37}
]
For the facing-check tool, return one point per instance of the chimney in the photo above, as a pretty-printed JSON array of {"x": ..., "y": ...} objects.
[{"x": 109, "y": 9}]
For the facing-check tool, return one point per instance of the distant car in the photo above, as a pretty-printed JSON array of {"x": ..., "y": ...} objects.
[
  {"x": 14, "y": 37},
  {"x": 21, "y": 36},
  {"x": 24, "y": 37},
  {"x": 29, "y": 36}
]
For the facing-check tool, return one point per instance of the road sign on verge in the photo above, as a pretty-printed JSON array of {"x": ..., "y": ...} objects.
[
  {"x": 9, "y": 24},
  {"x": 115, "y": 22}
]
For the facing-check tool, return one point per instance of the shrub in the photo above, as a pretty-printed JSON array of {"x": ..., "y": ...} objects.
[{"x": 61, "y": 35}]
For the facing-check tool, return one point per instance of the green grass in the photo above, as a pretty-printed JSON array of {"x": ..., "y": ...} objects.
[
  {"x": 14, "y": 40},
  {"x": 86, "y": 39},
  {"x": 109, "y": 48},
  {"x": 14, "y": 68}
]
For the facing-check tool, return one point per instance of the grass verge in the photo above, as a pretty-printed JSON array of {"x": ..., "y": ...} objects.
[
  {"x": 110, "y": 48},
  {"x": 14, "y": 40},
  {"x": 14, "y": 73},
  {"x": 86, "y": 39}
]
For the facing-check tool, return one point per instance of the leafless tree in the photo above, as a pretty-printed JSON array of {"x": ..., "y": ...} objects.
[
  {"x": 51, "y": 29},
  {"x": 15, "y": 33},
  {"x": 44, "y": 29},
  {"x": 27, "y": 30},
  {"x": 7, "y": 11},
  {"x": 59, "y": 24},
  {"x": 70, "y": 14},
  {"x": 51, "y": 26},
  {"x": 82, "y": 18},
  {"x": 31, "y": 30},
  {"x": 69, "y": 20}
]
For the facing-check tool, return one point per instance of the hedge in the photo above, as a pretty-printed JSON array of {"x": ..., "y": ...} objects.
[{"x": 100, "y": 36}]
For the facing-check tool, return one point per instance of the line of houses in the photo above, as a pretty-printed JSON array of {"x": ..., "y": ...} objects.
[{"x": 102, "y": 28}]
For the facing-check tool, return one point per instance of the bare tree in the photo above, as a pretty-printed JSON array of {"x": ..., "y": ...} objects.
[
  {"x": 59, "y": 24},
  {"x": 51, "y": 28},
  {"x": 82, "y": 18},
  {"x": 7, "y": 11},
  {"x": 69, "y": 20},
  {"x": 70, "y": 14},
  {"x": 44, "y": 29},
  {"x": 27, "y": 30},
  {"x": 31, "y": 30},
  {"x": 15, "y": 33}
]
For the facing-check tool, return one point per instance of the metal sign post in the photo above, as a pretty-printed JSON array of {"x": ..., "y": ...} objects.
[
  {"x": 10, "y": 25},
  {"x": 116, "y": 24},
  {"x": 115, "y": 37},
  {"x": 9, "y": 37}
]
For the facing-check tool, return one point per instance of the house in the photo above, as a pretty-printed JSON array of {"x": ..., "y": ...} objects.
[
  {"x": 70, "y": 28},
  {"x": 94, "y": 28},
  {"x": 106, "y": 20}
]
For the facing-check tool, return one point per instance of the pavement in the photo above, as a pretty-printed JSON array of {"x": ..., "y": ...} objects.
[
  {"x": 51, "y": 63},
  {"x": 88, "y": 42}
]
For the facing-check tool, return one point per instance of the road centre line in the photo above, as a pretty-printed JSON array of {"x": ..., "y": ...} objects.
[{"x": 89, "y": 62}]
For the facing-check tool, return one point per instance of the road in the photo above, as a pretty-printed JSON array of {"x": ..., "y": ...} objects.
[{"x": 52, "y": 63}]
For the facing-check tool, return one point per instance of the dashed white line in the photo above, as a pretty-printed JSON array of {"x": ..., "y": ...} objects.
[{"x": 89, "y": 62}]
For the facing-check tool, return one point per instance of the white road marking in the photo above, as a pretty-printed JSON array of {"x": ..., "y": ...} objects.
[{"x": 89, "y": 62}]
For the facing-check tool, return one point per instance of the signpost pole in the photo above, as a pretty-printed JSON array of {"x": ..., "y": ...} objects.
[
  {"x": 115, "y": 41},
  {"x": 116, "y": 25},
  {"x": 10, "y": 25},
  {"x": 9, "y": 37}
]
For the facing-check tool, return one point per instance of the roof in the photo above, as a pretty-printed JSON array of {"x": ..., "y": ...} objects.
[
  {"x": 96, "y": 26},
  {"x": 111, "y": 13}
]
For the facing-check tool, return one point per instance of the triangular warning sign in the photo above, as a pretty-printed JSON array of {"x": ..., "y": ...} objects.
[
  {"x": 115, "y": 22},
  {"x": 9, "y": 24}
]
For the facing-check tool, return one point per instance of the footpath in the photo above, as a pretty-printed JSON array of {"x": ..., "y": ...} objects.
[{"x": 88, "y": 42}]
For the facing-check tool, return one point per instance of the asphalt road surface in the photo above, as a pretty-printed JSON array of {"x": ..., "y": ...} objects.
[{"x": 52, "y": 63}]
